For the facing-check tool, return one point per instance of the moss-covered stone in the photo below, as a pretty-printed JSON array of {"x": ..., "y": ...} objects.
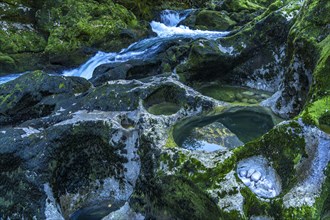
[
  {"x": 165, "y": 100},
  {"x": 281, "y": 146},
  {"x": 213, "y": 20},
  {"x": 176, "y": 197},
  {"x": 308, "y": 53},
  {"x": 63, "y": 33},
  {"x": 21, "y": 99}
]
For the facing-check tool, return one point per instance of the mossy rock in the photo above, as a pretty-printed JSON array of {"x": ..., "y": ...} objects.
[
  {"x": 165, "y": 100},
  {"x": 249, "y": 5},
  {"x": 282, "y": 146},
  {"x": 308, "y": 53},
  {"x": 113, "y": 97},
  {"x": 175, "y": 197},
  {"x": 214, "y": 20},
  {"x": 74, "y": 25},
  {"x": 21, "y": 99},
  {"x": 63, "y": 33}
]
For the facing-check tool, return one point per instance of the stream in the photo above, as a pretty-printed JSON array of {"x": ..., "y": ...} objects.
[{"x": 237, "y": 126}]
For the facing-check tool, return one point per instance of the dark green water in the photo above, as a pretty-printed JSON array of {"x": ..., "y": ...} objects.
[
  {"x": 164, "y": 108},
  {"x": 234, "y": 94},
  {"x": 246, "y": 124}
]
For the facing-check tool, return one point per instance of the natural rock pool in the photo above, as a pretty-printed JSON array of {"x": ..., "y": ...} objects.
[
  {"x": 234, "y": 94},
  {"x": 227, "y": 130},
  {"x": 178, "y": 125},
  {"x": 166, "y": 100}
]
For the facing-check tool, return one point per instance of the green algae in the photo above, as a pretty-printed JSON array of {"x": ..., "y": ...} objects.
[
  {"x": 164, "y": 108},
  {"x": 234, "y": 94},
  {"x": 282, "y": 145}
]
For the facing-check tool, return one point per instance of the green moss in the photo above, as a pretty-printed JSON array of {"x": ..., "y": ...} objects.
[
  {"x": 16, "y": 40},
  {"x": 315, "y": 113},
  {"x": 4, "y": 59},
  {"x": 239, "y": 5},
  {"x": 282, "y": 146},
  {"x": 175, "y": 197},
  {"x": 304, "y": 212},
  {"x": 86, "y": 23},
  {"x": 61, "y": 86},
  {"x": 170, "y": 143},
  {"x": 254, "y": 206}
]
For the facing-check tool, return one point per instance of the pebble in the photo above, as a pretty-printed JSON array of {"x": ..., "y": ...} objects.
[
  {"x": 256, "y": 176},
  {"x": 243, "y": 173},
  {"x": 250, "y": 172},
  {"x": 252, "y": 101},
  {"x": 248, "y": 93}
]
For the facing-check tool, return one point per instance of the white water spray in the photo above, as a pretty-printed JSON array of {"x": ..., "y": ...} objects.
[{"x": 166, "y": 30}]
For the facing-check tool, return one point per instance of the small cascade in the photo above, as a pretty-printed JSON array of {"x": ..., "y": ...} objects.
[
  {"x": 166, "y": 31},
  {"x": 10, "y": 77},
  {"x": 172, "y": 18}
]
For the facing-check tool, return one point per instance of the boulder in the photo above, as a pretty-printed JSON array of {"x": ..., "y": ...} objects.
[
  {"x": 217, "y": 133},
  {"x": 26, "y": 97}
]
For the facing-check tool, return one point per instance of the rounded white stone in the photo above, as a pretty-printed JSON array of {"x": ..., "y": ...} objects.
[
  {"x": 250, "y": 172},
  {"x": 256, "y": 176},
  {"x": 243, "y": 173}
]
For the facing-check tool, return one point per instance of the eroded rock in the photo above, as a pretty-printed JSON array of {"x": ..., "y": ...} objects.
[{"x": 259, "y": 176}]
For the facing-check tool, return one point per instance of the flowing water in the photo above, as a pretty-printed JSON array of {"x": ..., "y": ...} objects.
[
  {"x": 244, "y": 124},
  {"x": 166, "y": 30}
]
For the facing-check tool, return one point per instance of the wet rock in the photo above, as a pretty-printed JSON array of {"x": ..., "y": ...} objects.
[
  {"x": 307, "y": 63},
  {"x": 261, "y": 178},
  {"x": 132, "y": 69},
  {"x": 215, "y": 133},
  {"x": 27, "y": 97},
  {"x": 205, "y": 61},
  {"x": 82, "y": 165},
  {"x": 234, "y": 59},
  {"x": 166, "y": 100},
  {"x": 209, "y": 20}
]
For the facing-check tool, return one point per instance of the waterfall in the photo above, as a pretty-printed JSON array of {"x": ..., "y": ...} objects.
[
  {"x": 167, "y": 30},
  {"x": 172, "y": 18}
]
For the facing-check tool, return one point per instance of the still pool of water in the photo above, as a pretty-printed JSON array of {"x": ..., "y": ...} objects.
[
  {"x": 246, "y": 123},
  {"x": 164, "y": 108},
  {"x": 234, "y": 94}
]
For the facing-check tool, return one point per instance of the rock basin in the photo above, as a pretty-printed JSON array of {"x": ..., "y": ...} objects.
[
  {"x": 234, "y": 94},
  {"x": 257, "y": 174},
  {"x": 166, "y": 100},
  {"x": 227, "y": 130}
]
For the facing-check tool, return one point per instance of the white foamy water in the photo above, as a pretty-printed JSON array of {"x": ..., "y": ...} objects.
[
  {"x": 8, "y": 78},
  {"x": 183, "y": 31},
  {"x": 166, "y": 30},
  {"x": 173, "y": 18}
]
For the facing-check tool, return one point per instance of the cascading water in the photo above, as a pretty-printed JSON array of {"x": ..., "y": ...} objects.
[
  {"x": 10, "y": 77},
  {"x": 173, "y": 18},
  {"x": 167, "y": 30}
]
